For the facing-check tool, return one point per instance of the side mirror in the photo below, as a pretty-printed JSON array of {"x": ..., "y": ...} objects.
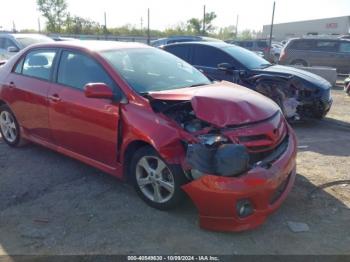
[
  {"x": 226, "y": 67},
  {"x": 12, "y": 49},
  {"x": 98, "y": 90}
]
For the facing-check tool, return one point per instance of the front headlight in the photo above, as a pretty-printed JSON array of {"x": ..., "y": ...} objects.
[{"x": 211, "y": 139}]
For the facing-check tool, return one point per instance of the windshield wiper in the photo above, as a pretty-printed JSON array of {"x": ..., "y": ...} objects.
[
  {"x": 265, "y": 65},
  {"x": 143, "y": 93},
  {"x": 200, "y": 84}
]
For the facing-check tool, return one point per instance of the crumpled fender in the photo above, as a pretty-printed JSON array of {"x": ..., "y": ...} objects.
[{"x": 138, "y": 124}]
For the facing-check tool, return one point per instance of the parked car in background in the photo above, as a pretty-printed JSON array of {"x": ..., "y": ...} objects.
[
  {"x": 10, "y": 44},
  {"x": 300, "y": 94},
  {"x": 284, "y": 42},
  {"x": 345, "y": 37},
  {"x": 257, "y": 46},
  {"x": 317, "y": 52},
  {"x": 62, "y": 38},
  {"x": 178, "y": 39},
  {"x": 144, "y": 115},
  {"x": 276, "y": 49}
]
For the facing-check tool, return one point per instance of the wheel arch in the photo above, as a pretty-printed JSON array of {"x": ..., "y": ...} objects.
[
  {"x": 130, "y": 149},
  {"x": 2, "y": 102}
]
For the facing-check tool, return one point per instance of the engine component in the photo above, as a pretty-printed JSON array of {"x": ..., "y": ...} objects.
[{"x": 225, "y": 160}]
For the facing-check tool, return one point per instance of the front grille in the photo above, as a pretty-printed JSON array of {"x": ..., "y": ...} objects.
[
  {"x": 270, "y": 155},
  {"x": 262, "y": 139}
]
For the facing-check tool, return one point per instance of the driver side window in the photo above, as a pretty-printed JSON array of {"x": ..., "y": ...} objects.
[
  {"x": 210, "y": 56},
  {"x": 76, "y": 70}
]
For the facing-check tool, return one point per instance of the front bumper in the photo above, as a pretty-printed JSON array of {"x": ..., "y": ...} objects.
[{"x": 216, "y": 196}]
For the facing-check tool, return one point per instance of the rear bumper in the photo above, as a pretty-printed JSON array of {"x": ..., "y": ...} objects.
[{"x": 216, "y": 196}]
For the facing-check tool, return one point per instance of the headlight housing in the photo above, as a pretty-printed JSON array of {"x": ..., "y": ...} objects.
[{"x": 212, "y": 139}]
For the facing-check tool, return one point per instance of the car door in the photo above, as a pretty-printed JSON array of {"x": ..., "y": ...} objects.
[
  {"x": 29, "y": 84},
  {"x": 344, "y": 57},
  {"x": 84, "y": 126},
  {"x": 326, "y": 53},
  {"x": 207, "y": 58}
]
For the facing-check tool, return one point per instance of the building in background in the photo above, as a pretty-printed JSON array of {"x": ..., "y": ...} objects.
[{"x": 335, "y": 26}]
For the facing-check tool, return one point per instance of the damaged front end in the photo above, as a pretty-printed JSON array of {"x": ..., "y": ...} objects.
[
  {"x": 229, "y": 136},
  {"x": 233, "y": 144},
  {"x": 297, "y": 99}
]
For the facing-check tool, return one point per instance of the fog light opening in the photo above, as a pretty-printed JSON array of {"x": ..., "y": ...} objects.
[{"x": 244, "y": 208}]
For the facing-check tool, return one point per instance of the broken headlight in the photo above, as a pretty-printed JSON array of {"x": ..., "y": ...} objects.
[{"x": 212, "y": 139}]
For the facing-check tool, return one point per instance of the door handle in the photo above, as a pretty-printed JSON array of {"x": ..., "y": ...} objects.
[{"x": 54, "y": 98}]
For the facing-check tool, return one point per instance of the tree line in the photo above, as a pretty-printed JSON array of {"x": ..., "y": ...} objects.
[{"x": 59, "y": 20}]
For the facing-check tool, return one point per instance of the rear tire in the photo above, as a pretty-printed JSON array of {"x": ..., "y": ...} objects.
[
  {"x": 9, "y": 128},
  {"x": 156, "y": 182}
]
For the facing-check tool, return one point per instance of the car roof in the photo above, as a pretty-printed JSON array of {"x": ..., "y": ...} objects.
[
  {"x": 92, "y": 45},
  {"x": 15, "y": 35},
  {"x": 251, "y": 40},
  {"x": 218, "y": 44},
  {"x": 318, "y": 38}
]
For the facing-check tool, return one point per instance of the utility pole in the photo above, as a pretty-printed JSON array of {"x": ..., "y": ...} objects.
[
  {"x": 105, "y": 27},
  {"x": 203, "y": 32},
  {"x": 237, "y": 26},
  {"x": 141, "y": 24},
  {"x": 13, "y": 27},
  {"x": 39, "y": 26},
  {"x": 148, "y": 32},
  {"x": 271, "y": 28}
]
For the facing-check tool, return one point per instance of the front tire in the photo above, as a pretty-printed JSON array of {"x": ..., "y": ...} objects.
[
  {"x": 9, "y": 128},
  {"x": 156, "y": 182}
]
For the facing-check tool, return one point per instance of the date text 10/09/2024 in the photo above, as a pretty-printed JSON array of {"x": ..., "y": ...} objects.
[{"x": 173, "y": 258}]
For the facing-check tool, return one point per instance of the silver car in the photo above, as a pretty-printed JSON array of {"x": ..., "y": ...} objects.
[
  {"x": 10, "y": 44},
  {"x": 317, "y": 52}
]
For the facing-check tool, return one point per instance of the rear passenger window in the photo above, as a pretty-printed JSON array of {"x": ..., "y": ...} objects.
[
  {"x": 180, "y": 51},
  {"x": 210, "y": 56},
  {"x": 327, "y": 46},
  {"x": 77, "y": 70},
  {"x": 38, "y": 64},
  {"x": 302, "y": 45}
]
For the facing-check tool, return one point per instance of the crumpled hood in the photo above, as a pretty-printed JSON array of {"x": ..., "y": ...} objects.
[
  {"x": 305, "y": 75},
  {"x": 223, "y": 104}
]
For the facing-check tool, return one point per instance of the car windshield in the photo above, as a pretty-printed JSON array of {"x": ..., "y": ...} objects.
[
  {"x": 151, "y": 69},
  {"x": 28, "y": 40},
  {"x": 247, "y": 58}
]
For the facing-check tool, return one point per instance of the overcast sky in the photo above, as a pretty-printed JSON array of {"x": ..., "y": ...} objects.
[{"x": 253, "y": 14}]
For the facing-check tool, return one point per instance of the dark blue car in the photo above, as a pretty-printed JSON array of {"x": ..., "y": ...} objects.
[{"x": 300, "y": 94}]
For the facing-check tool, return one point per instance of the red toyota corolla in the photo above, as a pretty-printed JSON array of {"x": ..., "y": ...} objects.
[{"x": 146, "y": 116}]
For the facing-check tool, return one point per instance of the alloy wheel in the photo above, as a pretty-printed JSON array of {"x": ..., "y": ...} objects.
[
  {"x": 155, "y": 179},
  {"x": 8, "y": 126}
]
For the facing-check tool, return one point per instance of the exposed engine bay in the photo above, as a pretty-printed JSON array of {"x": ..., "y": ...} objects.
[
  {"x": 295, "y": 100},
  {"x": 182, "y": 112}
]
